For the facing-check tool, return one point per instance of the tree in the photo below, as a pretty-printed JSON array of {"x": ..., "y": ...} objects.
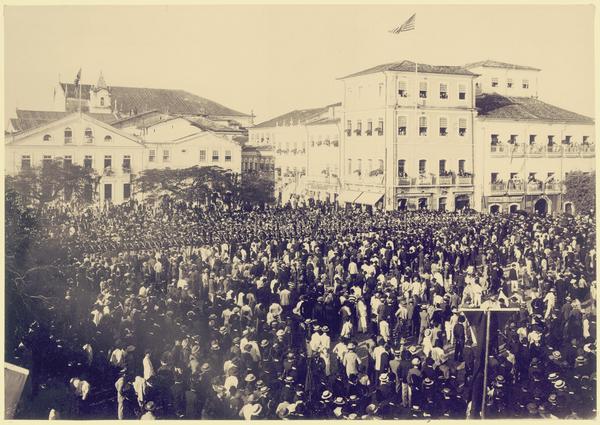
[
  {"x": 51, "y": 181},
  {"x": 581, "y": 190},
  {"x": 257, "y": 188},
  {"x": 194, "y": 184}
]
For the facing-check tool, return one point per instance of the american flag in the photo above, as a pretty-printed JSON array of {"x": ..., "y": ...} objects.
[{"x": 409, "y": 25}]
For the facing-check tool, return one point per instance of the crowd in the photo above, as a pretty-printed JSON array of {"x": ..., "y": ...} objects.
[{"x": 175, "y": 311}]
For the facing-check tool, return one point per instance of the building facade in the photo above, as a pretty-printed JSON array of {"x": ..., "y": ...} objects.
[{"x": 408, "y": 139}]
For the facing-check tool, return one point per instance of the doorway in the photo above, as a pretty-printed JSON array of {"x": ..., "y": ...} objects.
[{"x": 541, "y": 207}]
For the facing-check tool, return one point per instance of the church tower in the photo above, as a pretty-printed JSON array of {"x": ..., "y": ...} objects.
[{"x": 100, "y": 101}]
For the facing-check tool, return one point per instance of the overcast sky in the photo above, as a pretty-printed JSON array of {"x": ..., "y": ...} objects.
[{"x": 276, "y": 58}]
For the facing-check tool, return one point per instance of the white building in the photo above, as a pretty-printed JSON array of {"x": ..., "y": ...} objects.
[
  {"x": 80, "y": 139},
  {"x": 306, "y": 145},
  {"x": 408, "y": 139}
]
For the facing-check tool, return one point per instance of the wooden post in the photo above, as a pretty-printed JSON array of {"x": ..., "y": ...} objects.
[{"x": 485, "y": 364}]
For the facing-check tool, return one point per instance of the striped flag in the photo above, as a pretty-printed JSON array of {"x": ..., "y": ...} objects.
[{"x": 409, "y": 25}]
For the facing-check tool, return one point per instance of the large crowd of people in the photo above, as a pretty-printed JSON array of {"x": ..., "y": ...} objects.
[{"x": 315, "y": 312}]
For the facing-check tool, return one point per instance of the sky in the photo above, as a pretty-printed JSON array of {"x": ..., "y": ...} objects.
[{"x": 272, "y": 59}]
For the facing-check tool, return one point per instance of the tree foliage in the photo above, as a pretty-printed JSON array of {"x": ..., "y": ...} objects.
[
  {"x": 257, "y": 188},
  {"x": 194, "y": 184},
  {"x": 581, "y": 191},
  {"x": 51, "y": 181}
]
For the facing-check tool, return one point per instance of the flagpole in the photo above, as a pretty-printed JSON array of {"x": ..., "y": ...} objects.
[{"x": 485, "y": 363}]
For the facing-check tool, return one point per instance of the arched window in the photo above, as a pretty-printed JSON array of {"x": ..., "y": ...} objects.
[
  {"x": 101, "y": 101},
  {"x": 89, "y": 134},
  {"x": 108, "y": 138},
  {"x": 47, "y": 138},
  {"x": 68, "y": 135}
]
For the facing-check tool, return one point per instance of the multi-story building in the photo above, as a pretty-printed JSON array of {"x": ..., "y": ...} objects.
[
  {"x": 121, "y": 131},
  {"x": 408, "y": 137},
  {"x": 299, "y": 165},
  {"x": 524, "y": 147}
]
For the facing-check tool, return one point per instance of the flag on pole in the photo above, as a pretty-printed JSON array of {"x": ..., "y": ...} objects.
[
  {"x": 409, "y": 25},
  {"x": 78, "y": 77}
]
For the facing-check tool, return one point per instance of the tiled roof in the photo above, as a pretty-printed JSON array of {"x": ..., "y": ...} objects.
[
  {"x": 495, "y": 64},
  {"x": 208, "y": 125},
  {"x": 323, "y": 121},
  {"x": 298, "y": 116},
  {"x": 27, "y": 119},
  {"x": 139, "y": 99},
  {"x": 525, "y": 108},
  {"x": 408, "y": 66}
]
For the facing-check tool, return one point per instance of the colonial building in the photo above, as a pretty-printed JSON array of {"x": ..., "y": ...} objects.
[
  {"x": 524, "y": 146},
  {"x": 303, "y": 151},
  {"x": 408, "y": 139},
  {"x": 80, "y": 139}
]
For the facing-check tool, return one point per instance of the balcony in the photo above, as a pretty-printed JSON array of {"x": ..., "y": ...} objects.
[
  {"x": 403, "y": 181},
  {"x": 554, "y": 150},
  {"x": 464, "y": 180},
  {"x": 516, "y": 151},
  {"x": 498, "y": 188},
  {"x": 588, "y": 151},
  {"x": 445, "y": 180},
  {"x": 424, "y": 180},
  {"x": 515, "y": 188},
  {"x": 553, "y": 187},
  {"x": 534, "y": 187},
  {"x": 571, "y": 151},
  {"x": 535, "y": 151}
]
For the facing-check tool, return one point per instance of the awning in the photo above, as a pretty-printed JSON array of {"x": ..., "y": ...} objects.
[
  {"x": 348, "y": 196},
  {"x": 369, "y": 198}
]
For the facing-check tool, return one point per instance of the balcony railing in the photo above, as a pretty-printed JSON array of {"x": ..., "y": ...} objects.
[
  {"x": 515, "y": 187},
  {"x": 498, "y": 187},
  {"x": 553, "y": 187},
  {"x": 588, "y": 150},
  {"x": 464, "y": 180},
  {"x": 536, "y": 150},
  {"x": 534, "y": 187},
  {"x": 571, "y": 151},
  {"x": 445, "y": 180},
  {"x": 404, "y": 181},
  {"x": 425, "y": 180},
  {"x": 497, "y": 149}
]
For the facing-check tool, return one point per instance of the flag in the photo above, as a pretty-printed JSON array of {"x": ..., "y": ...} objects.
[
  {"x": 409, "y": 25},
  {"x": 78, "y": 77}
]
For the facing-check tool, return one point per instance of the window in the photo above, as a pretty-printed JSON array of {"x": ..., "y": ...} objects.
[
  {"x": 402, "y": 126},
  {"x": 509, "y": 83},
  {"x": 126, "y": 190},
  {"x": 443, "y": 91},
  {"x": 513, "y": 139},
  {"x": 443, "y": 126},
  {"x": 514, "y": 176},
  {"x": 402, "y": 88},
  {"x": 348, "y": 129},
  {"x": 88, "y": 134},
  {"x": 369, "y": 128},
  {"x": 47, "y": 138},
  {"x": 462, "y": 92},
  {"x": 349, "y": 166},
  {"x": 25, "y": 162},
  {"x": 68, "y": 161},
  {"x": 227, "y": 156},
  {"x": 532, "y": 176},
  {"x": 108, "y": 139},
  {"x": 423, "y": 89},
  {"x": 525, "y": 84},
  {"x": 568, "y": 140},
  {"x": 494, "y": 177},
  {"x": 68, "y": 135},
  {"x": 380, "y": 162},
  {"x": 494, "y": 139},
  {"x": 422, "y": 126},
  {"x": 380, "y": 126},
  {"x": 166, "y": 155},
  {"x": 152, "y": 155},
  {"x": 358, "y": 130},
  {"x": 442, "y": 167},
  {"x": 531, "y": 139},
  {"x": 550, "y": 140},
  {"x": 127, "y": 163},
  {"x": 101, "y": 101},
  {"x": 461, "y": 166},
  {"x": 494, "y": 82},
  {"x": 422, "y": 166},
  {"x": 107, "y": 161},
  {"x": 401, "y": 168},
  {"x": 584, "y": 140},
  {"x": 46, "y": 160},
  {"x": 215, "y": 156},
  {"x": 462, "y": 126},
  {"x": 550, "y": 176},
  {"x": 87, "y": 161}
]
